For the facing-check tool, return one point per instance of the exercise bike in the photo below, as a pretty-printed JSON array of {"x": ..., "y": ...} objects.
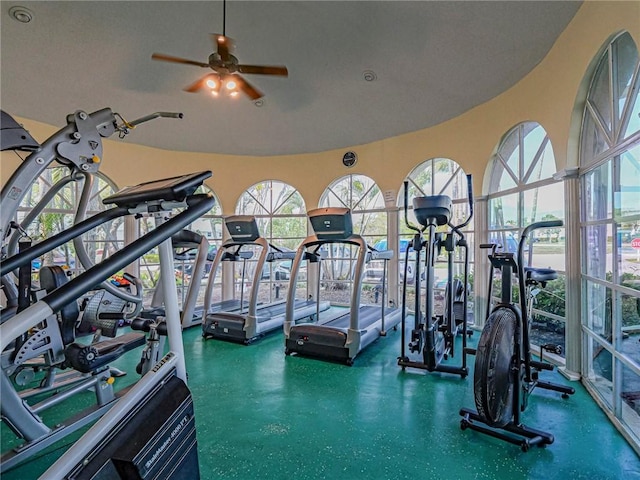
[
  {"x": 433, "y": 336},
  {"x": 505, "y": 374}
]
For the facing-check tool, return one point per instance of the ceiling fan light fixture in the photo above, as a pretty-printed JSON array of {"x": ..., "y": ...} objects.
[{"x": 226, "y": 76}]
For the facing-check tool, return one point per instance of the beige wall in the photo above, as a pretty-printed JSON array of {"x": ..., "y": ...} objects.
[{"x": 549, "y": 95}]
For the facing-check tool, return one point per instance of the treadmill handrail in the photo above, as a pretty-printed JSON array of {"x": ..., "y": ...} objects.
[
  {"x": 310, "y": 241},
  {"x": 193, "y": 290},
  {"x": 257, "y": 275},
  {"x": 385, "y": 255}
]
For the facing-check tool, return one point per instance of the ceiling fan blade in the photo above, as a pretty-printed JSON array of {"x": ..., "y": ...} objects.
[
  {"x": 169, "y": 58},
  {"x": 224, "y": 45},
  {"x": 202, "y": 83},
  {"x": 264, "y": 69},
  {"x": 247, "y": 88}
]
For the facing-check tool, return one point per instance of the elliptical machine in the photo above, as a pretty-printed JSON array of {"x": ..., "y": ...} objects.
[
  {"x": 433, "y": 336},
  {"x": 505, "y": 374}
]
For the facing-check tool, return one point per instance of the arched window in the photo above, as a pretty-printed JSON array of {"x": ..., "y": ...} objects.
[
  {"x": 59, "y": 214},
  {"x": 437, "y": 176},
  {"x": 610, "y": 195},
  {"x": 522, "y": 191},
  {"x": 281, "y": 216},
  {"x": 363, "y": 197}
]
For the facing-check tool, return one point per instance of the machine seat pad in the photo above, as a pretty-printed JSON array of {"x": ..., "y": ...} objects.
[
  {"x": 540, "y": 274},
  {"x": 88, "y": 358}
]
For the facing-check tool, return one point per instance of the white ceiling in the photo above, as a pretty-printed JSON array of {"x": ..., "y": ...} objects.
[{"x": 433, "y": 61}]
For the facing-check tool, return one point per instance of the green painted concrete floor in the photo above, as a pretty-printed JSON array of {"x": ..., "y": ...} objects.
[{"x": 261, "y": 415}]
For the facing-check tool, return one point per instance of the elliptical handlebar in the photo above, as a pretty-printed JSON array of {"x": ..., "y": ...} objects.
[
  {"x": 457, "y": 228},
  {"x": 126, "y": 126},
  {"x": 406, "y": 209}
]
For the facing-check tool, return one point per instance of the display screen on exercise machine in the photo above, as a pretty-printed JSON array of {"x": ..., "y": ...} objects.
[
  {"x": 331, "y": 223},
  {"x": 167, "y": 189},
  {"x": 242, "y": 228}
]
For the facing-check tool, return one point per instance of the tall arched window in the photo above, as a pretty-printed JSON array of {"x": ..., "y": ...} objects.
[
  {"x": 522, "y": 191},
  {"x": 59, "y": 214},
  {"x": 363, "y": 197},
  {"x": 437, "y": 176},
  {"x": 610, "y": 212},
  {"x": 281, "y": 215}
]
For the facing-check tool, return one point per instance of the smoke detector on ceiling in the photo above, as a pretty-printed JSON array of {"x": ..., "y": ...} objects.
[
  {"x": 21, "y": 14},
  {"x": 369, "y": 76}
]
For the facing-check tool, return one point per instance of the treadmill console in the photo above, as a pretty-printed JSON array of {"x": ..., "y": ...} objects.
[
  {"x": 242, "y": 228},
  {"x": 331, "y": 223},
  {"x": 168, "y": 189}
]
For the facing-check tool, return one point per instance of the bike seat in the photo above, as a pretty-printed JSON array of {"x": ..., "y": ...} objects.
[
  {"x": 533, "y": 274},
  {"x": 89, "y": 358}
]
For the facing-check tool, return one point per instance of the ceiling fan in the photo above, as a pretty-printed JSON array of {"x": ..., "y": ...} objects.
[{"x": 225, "y": 66}]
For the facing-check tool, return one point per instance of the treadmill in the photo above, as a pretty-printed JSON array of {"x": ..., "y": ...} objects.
[
  {"x": 183, "y": 244},
  {"x": 253, "y": 320},
  {"x": 341, "y": 338},
  {"x": 189, "y": 245}
]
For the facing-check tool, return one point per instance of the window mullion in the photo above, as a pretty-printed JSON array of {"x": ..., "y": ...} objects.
[
  {"x": 613, "y": 93},
  {"x": 449, "y": 181},
  {"x": 599, "y": 123},
  {"x": 627, "y": 109},
  {"x": 520, "y": 154},
  {"x": 508, "y": 169},
  {"x": 536, "y": 159}
]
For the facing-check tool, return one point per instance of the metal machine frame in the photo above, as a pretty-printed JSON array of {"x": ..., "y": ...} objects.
[
  {"x": 165, "y": 195},
  {"x": 501, "y": 392}
]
